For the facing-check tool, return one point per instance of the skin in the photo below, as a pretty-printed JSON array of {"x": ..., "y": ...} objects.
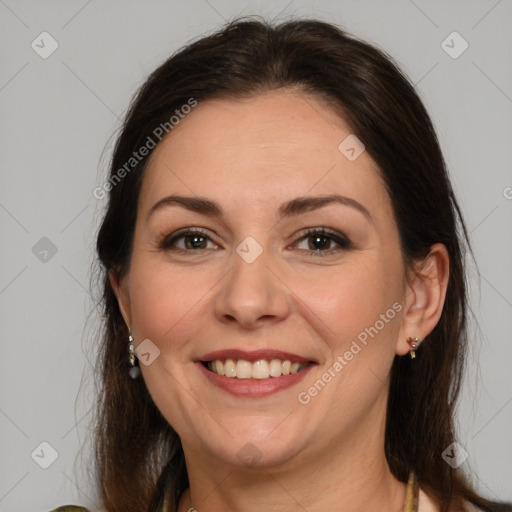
[{"x": 250, "y": 156}]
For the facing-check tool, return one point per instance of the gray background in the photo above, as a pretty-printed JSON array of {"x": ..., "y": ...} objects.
[{"x": 58, "y": 118}]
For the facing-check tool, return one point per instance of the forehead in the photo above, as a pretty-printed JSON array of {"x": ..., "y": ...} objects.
[{"x": 275, "y": 145}]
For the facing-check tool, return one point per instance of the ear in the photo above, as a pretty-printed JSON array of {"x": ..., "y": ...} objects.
[
  {"x": 120, "y": 287},
  {"x": 424, "y": 299}
]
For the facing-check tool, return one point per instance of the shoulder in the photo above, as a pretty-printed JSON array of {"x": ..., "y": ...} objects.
[{"x": 426, "y": 503}]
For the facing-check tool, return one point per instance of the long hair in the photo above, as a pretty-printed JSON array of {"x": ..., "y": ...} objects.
[{"x": 139, "y": 458}]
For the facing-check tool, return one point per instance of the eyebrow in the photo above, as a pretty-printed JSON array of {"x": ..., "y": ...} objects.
[{"x": 291, "y": 208}]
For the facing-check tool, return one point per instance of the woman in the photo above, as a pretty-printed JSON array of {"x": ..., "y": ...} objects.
[{"x": 283, "y": 264}]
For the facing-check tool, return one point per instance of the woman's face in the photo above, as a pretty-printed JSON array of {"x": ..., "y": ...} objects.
[{"x": 253, "y": 293}]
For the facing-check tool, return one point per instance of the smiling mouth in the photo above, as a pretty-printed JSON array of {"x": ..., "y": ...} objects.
[{"x": 261, "y": 369}]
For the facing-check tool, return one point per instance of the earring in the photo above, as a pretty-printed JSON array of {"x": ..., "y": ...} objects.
[
  {"x": 413, "y": 342},
  {"x": 134, "y": 370}
]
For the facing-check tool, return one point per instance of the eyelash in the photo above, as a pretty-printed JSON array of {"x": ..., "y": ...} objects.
[{"x": 342, "y": 241}]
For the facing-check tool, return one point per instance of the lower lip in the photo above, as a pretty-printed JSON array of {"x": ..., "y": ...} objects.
[{"x": 254, "y": 388}]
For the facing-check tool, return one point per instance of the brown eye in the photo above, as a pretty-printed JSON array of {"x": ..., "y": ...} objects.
[
  {"x": 186, "y": 240},
  {"x": 320, "y": 242}
]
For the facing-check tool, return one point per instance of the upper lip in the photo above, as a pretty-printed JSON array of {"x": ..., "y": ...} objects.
[{"x": 254, "y": 355}]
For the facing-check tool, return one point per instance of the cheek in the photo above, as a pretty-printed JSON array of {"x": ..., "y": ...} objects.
[
  {"x": 166, "y": 301},
  {"x": 350, "y": 298}
]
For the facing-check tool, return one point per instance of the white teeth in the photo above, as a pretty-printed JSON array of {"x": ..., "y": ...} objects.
[
  {"x": 276, "y": 368},
  {"x": 243, "y": 369},
  {"x": 218, "y": 367},
  {"x": 229, "y": 368},
  {"x": 262, "y": 369}
]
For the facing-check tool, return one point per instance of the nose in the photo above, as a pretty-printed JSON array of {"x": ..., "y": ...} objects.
[{"x": 252, "y": 294}]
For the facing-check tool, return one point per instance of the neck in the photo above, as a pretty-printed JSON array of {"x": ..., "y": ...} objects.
[{"x": 349, "y": 474}]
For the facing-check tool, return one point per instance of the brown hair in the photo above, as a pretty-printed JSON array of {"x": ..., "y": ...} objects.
[{"x": 138, "y": 455}]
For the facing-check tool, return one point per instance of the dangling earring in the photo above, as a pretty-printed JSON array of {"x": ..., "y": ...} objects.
[
  {"x": 413, "y": 342},
  {"x": 134, "y": 370}
]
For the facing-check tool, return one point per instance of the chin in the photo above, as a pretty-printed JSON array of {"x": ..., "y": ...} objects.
[
  {"x": 254, "y": 443},
  {"x": 256, "y": 454}
]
